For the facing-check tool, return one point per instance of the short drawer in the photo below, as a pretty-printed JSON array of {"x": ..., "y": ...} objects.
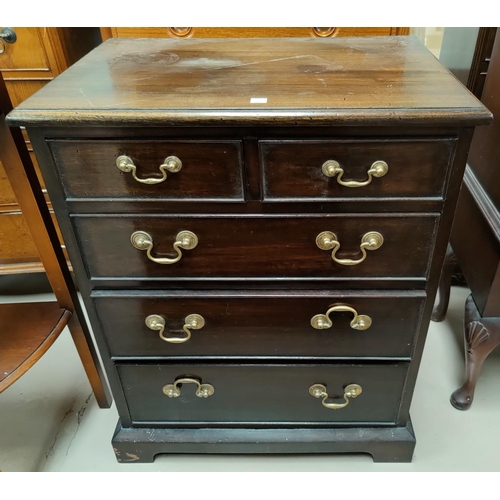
[
  {"x": 266, "y": 394},
  {"x": 326, "y": 169},
  {"x": 242, "y": 246},
  {"x": 209, "y": 170},
  {"x": 290, "y": 324}
]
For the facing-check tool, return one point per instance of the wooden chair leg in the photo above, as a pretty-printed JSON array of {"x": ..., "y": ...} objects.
[
  {"x": 91, "y": 364},
  {"x": 441, "y": 307},
  {"x": 481, "y": 336},
  {"x": 23, "y": 179}
]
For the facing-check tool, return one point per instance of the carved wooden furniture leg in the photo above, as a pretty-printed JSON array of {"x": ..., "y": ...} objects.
[
  {"x": 440, "y": 308},
  {"x": 482, "y": 335}
]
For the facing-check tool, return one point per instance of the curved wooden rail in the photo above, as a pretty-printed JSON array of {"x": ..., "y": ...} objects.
[{"x": 27, "y": 330}]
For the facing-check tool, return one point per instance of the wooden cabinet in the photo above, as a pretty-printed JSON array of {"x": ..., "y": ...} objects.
[
  {"x": 36, "y": 57},
  {"x": 247, "y": 32},
  {"x": 259, "y": 271}
]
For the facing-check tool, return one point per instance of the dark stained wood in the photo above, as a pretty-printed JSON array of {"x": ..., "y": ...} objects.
[
  {"x": 352, "y": 81},
  {"x": 210, "y": 170},
  {"x": 441, "y": 306},
  {"x": 262, "y": 255},
  {"x": 476, "y": 244},
  {"x": 78, "y": 41},
  {"x": 481, "y": 60},
  {"x": 292, "y": 169},
  {"x": 485, "y": 149},
  {"x": 275, "y": 246},
  {"x": 27, "y": 332},
  {"x": 384, "y": 444},
  {"x": 261, "y": 394},
  {"x": 481, "y": 336},
  {"x": 441, "y": 244},
  {"x": 247, "y": 324},
  {"x": 476, "y": 239}
]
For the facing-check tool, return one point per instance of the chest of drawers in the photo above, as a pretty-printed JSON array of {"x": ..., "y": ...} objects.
[{"x": 257, "y": 228}]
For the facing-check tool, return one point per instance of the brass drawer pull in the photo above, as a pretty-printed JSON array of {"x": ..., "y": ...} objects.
[
  {"x": 191, "y": 322},
  {"x": 329, "y": 241},
  {"x": 323, "y": 321},
  {"x": 332, "y": 168},
  {"x": 171, "y": 164},
  {"x": 350, "y": 391},
  {"x": 185, "y": 240},
  {"x": 203, "y": 390}
]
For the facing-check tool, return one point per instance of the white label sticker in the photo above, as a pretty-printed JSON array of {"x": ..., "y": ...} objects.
[{"x": 258, "y": 100}]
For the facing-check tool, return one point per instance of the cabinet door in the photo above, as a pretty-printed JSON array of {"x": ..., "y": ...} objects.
[{"x": 26, "y": 53}]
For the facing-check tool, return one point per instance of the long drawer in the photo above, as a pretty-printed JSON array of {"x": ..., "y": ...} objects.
[
  {"x": 323, "y": 170},
  {"x": 292, "y": 324},
  {"x": 190, "y": 170},
  {"x": 300, "y": 246},
  {"x": 191, "y": 394}
]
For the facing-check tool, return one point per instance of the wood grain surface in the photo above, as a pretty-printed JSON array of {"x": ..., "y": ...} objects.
[
  {"x": 256, "y": 246},
  {"x": 292, "y": 169},
  {"x": 262, "y": 324},
  {"x": 210, "y": 169},
  {"x": 267, "y": 32},
  {"x": 263, "y": 393},
  {"x": 351, "y": 80},
  {"x": 27, "y": 332}
]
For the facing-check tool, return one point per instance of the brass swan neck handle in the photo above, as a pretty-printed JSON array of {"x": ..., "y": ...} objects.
[
  {"x": 185, "y": 240},
  {"x": 323, "y": 321},
  {"x": 191, "y": 322},
  {"x": 171, "y": 164},
  {"x": 332, "y": 168},
  {"x": 350, "y": 391},
  {"x": 202, "y": 390},
  {"x": 329, "y": 241}
]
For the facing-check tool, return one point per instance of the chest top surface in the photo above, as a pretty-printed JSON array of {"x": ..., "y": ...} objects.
[{"x": 274, "y": 81}]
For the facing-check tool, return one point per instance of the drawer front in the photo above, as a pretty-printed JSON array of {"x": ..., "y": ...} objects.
[
  {"x": 294, "y": 169},
  {"x": 274, "y": 324},
  {"x": 262, "y": 393},
  {"x": 209, "y": 170},
  {"x": 278, "y": 246}
]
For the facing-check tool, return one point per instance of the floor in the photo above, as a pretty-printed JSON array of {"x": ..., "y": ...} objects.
[{"x": 49, "y": 419}]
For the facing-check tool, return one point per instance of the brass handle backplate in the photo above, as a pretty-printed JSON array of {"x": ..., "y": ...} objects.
[
  {"x": 180, "y": 32},
  {"x": 191, "y": 322},
  {"x": 171, "y": 164},
  {"x": 324, "y": 32},
  {"x": 323, "y": 321},
  {"x": 185, "y": 240},
  {"x": 202, "y": 391},
  {"x": 350, "y": 391},
  {"x": 329, "y": 241},
  {"x": 332, "y": 168}
]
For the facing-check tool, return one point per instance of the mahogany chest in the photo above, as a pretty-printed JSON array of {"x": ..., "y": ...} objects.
[{"x": 257, "y": 228}]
